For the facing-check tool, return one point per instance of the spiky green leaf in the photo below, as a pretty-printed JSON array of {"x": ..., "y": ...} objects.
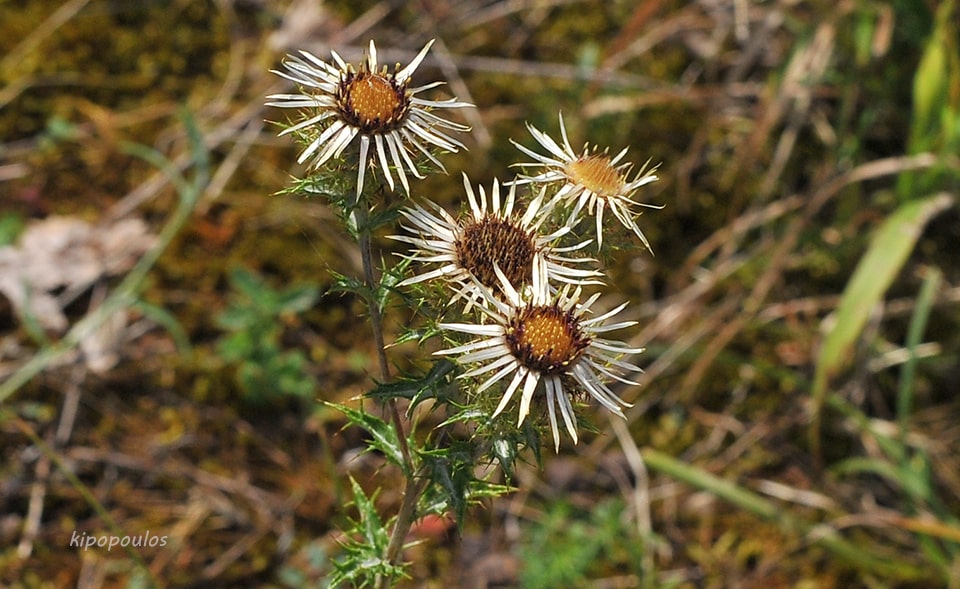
[{"x": 383, "y": 436}]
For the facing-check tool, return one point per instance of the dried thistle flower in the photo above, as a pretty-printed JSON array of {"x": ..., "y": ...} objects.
[
  {"x": 493, "y": 235},
  {"x": 592, "y": 179},
  {"x": 545, "y": 338},
  {"x": 379, "y": 107}
]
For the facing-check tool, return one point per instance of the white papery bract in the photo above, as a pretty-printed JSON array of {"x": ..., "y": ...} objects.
[
  {"x": 543, "y": 342},
  {"x": 591, "y": 179},
  {"x": 493, "y": 234},
  {"x": 379, "y": 107}
]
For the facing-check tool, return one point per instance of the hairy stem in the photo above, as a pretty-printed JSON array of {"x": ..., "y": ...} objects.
[
  {"x": 414, "y": 485},
  {"x": 376, "y": 322},
  {"x": 412, "y": 490}
]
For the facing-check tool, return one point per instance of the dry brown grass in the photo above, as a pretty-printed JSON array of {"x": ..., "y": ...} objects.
[{"x": 783, "y": 131}]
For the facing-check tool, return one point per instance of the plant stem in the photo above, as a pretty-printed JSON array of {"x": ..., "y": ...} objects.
[
  {"x": 376, "y": 320},
  {"x": 412, "y": 490},
  {"x": 127, "y": 292},
  {"x": 413, "y": 485},
  {"x": 376, "y": 323}
]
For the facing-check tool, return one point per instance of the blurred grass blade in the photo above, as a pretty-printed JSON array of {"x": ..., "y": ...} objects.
[
  {"x": 888, "y": 251},
  {"x": 84, "y": 491},
  {"x": 918, "y": 323},
  {"x": 935, "y": 121},
  {"x": 822, "y": 535},
  {"x": 168, "y": 321},
  {"x": 930, "y": 82}
]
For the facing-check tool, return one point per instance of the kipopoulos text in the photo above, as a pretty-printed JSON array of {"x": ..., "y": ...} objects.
[{"x": 88, "y": 541}]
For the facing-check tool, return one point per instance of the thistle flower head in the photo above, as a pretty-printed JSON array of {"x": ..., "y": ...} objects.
[
  {"x": 591, "y": 179},
  {"x": 543, "y": 342},
  {"x": 343, "y": 102},
  {"x": 493, "y": 236}
]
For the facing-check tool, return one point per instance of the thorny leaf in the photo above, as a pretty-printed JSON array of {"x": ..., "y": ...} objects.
[
  {"x": 363, "y": 561},
  {"x": 383, "y": 436},
  {"x": 451, "y": 469},
  {"x": 431, "y": 386}
]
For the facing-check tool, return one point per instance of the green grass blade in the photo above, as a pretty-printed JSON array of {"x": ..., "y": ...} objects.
[
  {"x": 888, "y": 251},
  {"x": 822, "y": 535},
  {"x": 918, "y": 323}
]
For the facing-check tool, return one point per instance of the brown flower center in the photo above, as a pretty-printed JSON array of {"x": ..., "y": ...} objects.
[
  {"x": 546, "y": 338},
  {"x": 494, "y": 240},
  {"x": 596, "y": 174},
  {"x": 372, "y": 102}
]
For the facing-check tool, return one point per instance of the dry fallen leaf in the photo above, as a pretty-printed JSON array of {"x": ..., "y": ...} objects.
[{"x": 60, "y": 257}]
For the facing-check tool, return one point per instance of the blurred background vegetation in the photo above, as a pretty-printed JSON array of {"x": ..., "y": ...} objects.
[{"x": 798, "y": 423}]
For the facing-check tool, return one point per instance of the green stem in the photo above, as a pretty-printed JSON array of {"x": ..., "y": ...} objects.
[
  {"x": 413, "y": 488},
  {"x": 918, "y": 323},
  {"x": 376, "y": 319},
  {"x": 376, "y": 323},
  {"x": 414, "y": 485}
]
